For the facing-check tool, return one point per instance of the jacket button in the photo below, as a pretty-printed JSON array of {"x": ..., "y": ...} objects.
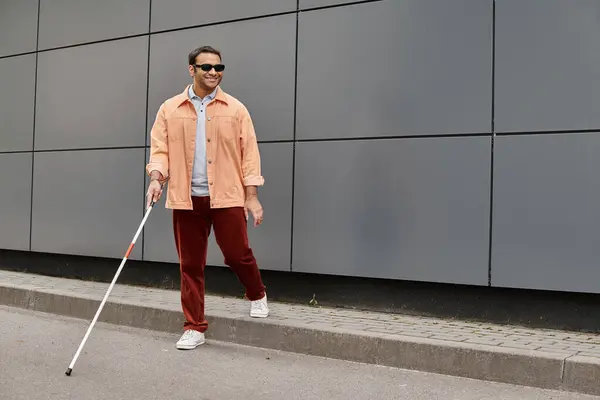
[{"x": 208, "y": 118}]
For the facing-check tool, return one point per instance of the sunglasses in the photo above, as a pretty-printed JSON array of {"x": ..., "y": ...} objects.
[{"x": 208, "y": 67}]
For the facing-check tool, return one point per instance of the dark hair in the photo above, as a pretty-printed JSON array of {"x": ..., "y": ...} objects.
[{"x": 204, "y": 49}]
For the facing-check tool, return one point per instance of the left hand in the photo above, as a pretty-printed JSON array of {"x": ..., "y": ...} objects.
[{"x": 253, "y": 206}]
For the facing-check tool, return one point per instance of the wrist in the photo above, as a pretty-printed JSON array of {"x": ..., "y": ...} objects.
[
  {"x": 156, "y": 176},
  {"x": 251, "y": 192}
]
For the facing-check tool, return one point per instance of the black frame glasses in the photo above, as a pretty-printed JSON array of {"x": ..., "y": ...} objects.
[{"x": 208, "y": 67}]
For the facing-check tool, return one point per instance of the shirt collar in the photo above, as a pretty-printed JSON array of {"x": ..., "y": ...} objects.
[
  {"x": 185, "y": 96},
  {"x": 193, "y": 95}
]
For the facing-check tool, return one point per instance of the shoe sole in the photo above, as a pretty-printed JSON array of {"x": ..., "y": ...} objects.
[{"x": 259, "y": 315}]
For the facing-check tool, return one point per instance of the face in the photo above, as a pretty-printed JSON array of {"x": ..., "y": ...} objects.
[{"x": 207, "y": 80}]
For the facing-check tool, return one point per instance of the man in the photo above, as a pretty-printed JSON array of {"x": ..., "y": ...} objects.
[{"x": 204, "y": 145}]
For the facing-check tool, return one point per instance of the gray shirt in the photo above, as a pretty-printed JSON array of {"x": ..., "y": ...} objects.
[{"x": 199, "y": 178}]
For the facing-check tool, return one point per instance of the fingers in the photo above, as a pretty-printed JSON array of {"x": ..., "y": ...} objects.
[
  {"x": 258, "y": 217},
  {"x": 157, "y": 194},
  {"x": 153, "y": 195},
  {"x": 246, "y": 213}
]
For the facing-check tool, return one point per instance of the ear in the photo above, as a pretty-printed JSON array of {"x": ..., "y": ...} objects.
[{"x": 191, "y": 70}]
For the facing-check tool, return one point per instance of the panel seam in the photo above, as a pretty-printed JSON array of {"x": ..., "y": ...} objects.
[
  {"x": 549, "y": 132},
  {"x": 492, "y": 150},
  {"x": 146, "y": 148},
  {"x": 395, "y": 137},
  {"x": 349, "y": 139},
  {"x": 37, "y": 45},
  {"x": 294, "y": 140},
  {"x": 350, "y": 3},
  {"x": 75, "y": 149},
  {"x": 17, "y": 54}
]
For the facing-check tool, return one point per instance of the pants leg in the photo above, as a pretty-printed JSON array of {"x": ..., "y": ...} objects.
[
  {"x": 231, "y": 234},
  {"x": 191, "y": 229}
]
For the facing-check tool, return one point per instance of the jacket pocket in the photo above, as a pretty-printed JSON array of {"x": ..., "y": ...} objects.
[{"x": 226, "y": 128}]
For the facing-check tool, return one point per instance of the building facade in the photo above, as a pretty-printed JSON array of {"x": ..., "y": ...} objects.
[{"x": 449, "y": 141}]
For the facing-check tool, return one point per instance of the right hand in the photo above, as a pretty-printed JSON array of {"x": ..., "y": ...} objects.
[{"x": 154, "y": 192}]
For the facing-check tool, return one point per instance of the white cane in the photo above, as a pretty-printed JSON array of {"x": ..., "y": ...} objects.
[{"x": 87, "y": 334}]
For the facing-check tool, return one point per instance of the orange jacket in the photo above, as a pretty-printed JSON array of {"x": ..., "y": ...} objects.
[{"x": 232, "y": 156}]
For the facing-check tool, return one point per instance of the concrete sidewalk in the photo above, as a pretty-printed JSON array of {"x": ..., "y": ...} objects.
[{"x": 540, "y": 358}]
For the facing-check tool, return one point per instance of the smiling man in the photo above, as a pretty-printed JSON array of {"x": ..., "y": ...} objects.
[{"x": 204, "y": 145}]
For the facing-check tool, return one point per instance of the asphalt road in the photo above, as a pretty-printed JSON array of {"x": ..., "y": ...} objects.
[{"x": 124, "y": 363}]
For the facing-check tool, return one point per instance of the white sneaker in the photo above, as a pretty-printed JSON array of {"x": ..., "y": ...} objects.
[
  {"x": 190, "y": 340},
  {"x": 259, "y": 308}
]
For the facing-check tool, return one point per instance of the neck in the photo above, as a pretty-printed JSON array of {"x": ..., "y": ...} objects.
[{"x": 201, "y": 92}]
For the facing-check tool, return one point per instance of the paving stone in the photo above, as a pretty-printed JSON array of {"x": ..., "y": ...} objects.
[
  {"x": 515, "y": 345},
  {"x": 590, "y": 354},
  {"x": 485, "y": 341}
]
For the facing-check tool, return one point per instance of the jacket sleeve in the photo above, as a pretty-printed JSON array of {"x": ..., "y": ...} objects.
[
  {"x": 251, "y": 167},
  {"x": 159, "y": 148}
]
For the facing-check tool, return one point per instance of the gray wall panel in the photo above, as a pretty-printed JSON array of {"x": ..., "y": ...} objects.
[
  {"x": 395, "y": 68},
  {"x": 68, "y": 22},
  {"x": 270, "y": 242},
  {"x": 547, "y": 65},
  {"x": 413, "y": 209},
  {"x": 92, "y": 96},
  {"x": 18, "y": 26},
  {"x": 172, "y": 14},
  {"x": 15, "y": 202},
  {"x": 17, "y": 93},
  {"x": 159, "y": 243},
  {"x": 259, "y": 55},
  {"x": 546, "y": 215},
  {"x": 88, "y": 202}
]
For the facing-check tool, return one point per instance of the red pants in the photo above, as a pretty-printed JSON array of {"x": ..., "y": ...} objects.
[{"x": 192, "y": 229}]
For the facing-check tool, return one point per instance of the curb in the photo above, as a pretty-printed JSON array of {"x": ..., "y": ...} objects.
[{"x": 546, "y": 370}]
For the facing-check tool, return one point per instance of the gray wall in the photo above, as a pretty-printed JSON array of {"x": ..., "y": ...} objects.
[{"x": 444, "y": 141}]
